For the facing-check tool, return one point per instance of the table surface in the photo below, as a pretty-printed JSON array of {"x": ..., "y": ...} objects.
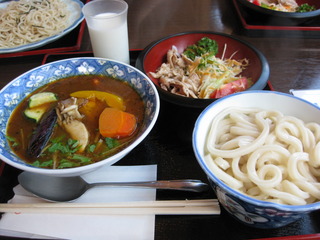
[{"x": 294, "y": 64}]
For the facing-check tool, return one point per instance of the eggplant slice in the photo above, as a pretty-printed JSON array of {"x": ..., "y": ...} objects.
[{"x": 42, "y": 134}]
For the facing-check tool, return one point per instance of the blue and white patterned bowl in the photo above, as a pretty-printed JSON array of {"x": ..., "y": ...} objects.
[
  {"x": 14, "y": 92},
  {"x": 250, "y": 211}
]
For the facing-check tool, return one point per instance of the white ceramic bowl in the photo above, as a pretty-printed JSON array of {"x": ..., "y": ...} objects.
[
  {"x": 256, "y": 213},
  {"x": 14, "y": 92}
]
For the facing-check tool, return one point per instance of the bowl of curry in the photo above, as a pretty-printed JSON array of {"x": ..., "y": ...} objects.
[{"x": 73, "y": 116}]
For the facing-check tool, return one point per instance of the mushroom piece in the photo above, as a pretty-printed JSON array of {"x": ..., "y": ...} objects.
[{"x": 69, "y": 118}]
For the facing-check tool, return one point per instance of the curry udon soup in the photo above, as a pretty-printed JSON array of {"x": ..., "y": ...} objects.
[{"x": 75, "y": 121}]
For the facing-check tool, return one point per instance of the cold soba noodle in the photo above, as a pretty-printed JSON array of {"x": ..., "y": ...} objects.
[
  {"x": 28, "y": 21},
  {"x": 266, "y": 155}
]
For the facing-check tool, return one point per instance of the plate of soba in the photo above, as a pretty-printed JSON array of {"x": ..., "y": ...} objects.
[{"x": 29, "y": 24}]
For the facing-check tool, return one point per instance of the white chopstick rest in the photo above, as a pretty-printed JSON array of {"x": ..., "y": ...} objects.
[{"x": 168, "y": 207}]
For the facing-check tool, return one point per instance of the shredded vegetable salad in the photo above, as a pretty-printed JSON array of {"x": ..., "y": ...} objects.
[
  {"x": 199, "y": 73},
  {"x": 284, "y": 5},
  {"x": 216, "y": 73}
]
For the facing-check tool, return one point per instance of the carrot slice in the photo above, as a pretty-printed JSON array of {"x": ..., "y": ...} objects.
[
  {"x": 115, "y": 123},
  {"x": 128, "y": 125}
]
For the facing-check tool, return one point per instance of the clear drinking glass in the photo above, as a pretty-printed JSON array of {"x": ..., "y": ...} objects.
[{"x": 108, "y": 28}]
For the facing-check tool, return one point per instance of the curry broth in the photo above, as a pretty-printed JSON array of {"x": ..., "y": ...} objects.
[{"x": 20, "y": 127}]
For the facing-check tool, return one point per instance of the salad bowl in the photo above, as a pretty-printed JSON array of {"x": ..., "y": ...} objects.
[{"x": 228, "y": 46}]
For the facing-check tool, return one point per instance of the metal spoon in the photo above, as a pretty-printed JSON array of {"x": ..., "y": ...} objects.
[{"x": 63, "y": 189}]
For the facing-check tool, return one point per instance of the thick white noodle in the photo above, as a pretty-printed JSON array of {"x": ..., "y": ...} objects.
[
  {"x": 293, "y": 169},
  {"x": 303, "y": 137},
  {"x": 222, "y": 163},
  {"x": 238, "y": 141},
  {"x": 256, "y": 193},
  {"x": 315, "y": 171},
  {"x": 311, "y": 188},
  {"x": 292, "y": 188},
  {"x": 304, "y": 169},
  {"x": 242, "y": 120},
  {"x": 315, "y": 156},
  {"x": 266, "y": 155},
  {"x": 261, "y": 123},
  {"x": 315, "y": 129},
  {"x": 288, "y": 198},
  {"x": 271, "y": 157},
  {"x": 238, "y": 174},
  {"x": 236, "y": 130},
  {"x": 284, "y": 135},
  {"x": 228, "y": 179},
  {"x": 272, "y": 171}
]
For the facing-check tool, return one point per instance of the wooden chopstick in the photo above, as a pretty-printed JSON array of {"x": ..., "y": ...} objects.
[{"x": 168, "y": 207}]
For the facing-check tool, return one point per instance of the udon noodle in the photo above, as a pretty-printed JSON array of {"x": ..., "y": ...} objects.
[
  {"x": 28, "y": 21},
  {"x": 266, "y": 155}
]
